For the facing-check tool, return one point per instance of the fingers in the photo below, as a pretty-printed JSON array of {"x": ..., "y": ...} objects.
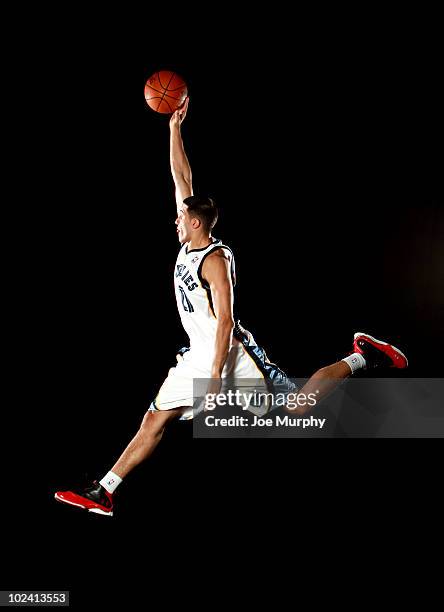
[
  {"x": 175, "y": 118},
  {"x": 183, "y": 109},
  {"x": 179, "y": 115}
]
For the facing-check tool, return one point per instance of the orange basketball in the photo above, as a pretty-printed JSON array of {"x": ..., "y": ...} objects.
[{"x": 165, "y": 91}]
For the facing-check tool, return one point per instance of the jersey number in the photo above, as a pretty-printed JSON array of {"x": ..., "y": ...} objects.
[{"x": 187, "y": 305}]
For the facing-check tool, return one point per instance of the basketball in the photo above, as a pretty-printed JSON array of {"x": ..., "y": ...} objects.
[{"x": 165, "y": 91}]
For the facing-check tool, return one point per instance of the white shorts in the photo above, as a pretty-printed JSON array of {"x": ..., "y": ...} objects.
[{"x": 245, "y": 360}]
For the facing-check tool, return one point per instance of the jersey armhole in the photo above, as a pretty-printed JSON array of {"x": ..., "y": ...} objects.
[{"x": 203, "y": 282}]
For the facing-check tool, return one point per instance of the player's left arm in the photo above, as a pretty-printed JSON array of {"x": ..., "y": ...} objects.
[{"x": 216, "y": 270}]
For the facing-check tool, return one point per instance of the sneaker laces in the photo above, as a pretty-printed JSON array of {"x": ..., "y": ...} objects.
[{"x": 92, "y": 487}]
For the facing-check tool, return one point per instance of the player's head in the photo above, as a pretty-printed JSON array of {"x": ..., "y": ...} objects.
[{"x": 198, "y": 214}]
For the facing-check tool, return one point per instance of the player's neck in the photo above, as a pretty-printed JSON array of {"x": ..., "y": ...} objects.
[{"x": 199, "y": 242}]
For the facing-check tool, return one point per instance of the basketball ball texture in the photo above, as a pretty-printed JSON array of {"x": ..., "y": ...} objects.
[{"x": 165, "y": 91}]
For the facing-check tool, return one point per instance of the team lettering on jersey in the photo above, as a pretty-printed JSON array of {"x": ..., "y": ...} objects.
[{"x": 183, "y": 273}]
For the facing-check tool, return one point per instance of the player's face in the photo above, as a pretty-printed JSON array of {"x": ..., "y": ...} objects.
[{"x": 183, "y": 223}]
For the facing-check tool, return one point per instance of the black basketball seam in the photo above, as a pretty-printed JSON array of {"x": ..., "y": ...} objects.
[
  {"x": 171, "y": 78},
  {"x": 163, "y": 93},
  {"x": 172, "y": 97},
  {"x": 160, "y": 82},
  {"x": 158, "y": 78},
  {"x": 180, "y": 87},
  {"x": 154, "y": 89},
  {"x": 169, "y": 105},
  {"x": 165, "y": 88}
]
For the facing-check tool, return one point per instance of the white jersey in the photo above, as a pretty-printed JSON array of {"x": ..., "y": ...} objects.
[
  {"x": 246, "y": 363},
  {"x": 193, "y": 296}
]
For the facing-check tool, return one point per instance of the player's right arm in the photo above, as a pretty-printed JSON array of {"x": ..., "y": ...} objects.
[{"x": 180, "y": 166}]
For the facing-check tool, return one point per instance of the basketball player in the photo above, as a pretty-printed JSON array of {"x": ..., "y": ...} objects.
[{"x": 220, "y": 347}]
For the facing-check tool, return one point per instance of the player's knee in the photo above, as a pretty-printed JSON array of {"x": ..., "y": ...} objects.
[{"x": 153, "y": 424}]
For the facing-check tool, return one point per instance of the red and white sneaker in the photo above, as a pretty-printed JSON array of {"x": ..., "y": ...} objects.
[
  {"x": 378, "y": 353},
  {"x": 94, "y": 499}
]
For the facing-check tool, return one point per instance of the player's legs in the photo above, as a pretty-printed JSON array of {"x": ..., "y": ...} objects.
[
  {"x": 322, "y": 383},
  {"x": 98, "y": 497},
  {"x": 174, "y": 399},
  {"x": 145, "y": 441},
  {"x": 369, "y": 352}
]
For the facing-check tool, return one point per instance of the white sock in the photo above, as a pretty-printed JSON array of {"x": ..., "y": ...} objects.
[
  {"x": 110, "y": 482},
  {"x": 355, "y": 361}
]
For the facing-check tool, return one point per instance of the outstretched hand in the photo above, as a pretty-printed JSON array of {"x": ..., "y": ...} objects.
[{"x": 178, "y": 116}]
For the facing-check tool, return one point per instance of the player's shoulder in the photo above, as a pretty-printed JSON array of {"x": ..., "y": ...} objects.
[
  {"x": 219, "y": 246},
  {"x": 218, "y": 262},
  {"x": 219, "y": 253}
]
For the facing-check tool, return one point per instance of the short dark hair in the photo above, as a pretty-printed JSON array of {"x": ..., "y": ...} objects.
[{"x": 204, "y": 209}]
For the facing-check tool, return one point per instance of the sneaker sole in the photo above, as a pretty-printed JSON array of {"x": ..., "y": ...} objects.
[
  {"x": 384, "y": 343},
  {"x": 94, "y": 510}
]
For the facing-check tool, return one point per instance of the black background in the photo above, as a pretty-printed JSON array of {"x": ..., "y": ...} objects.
[{"x": 323, "y": 155}]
